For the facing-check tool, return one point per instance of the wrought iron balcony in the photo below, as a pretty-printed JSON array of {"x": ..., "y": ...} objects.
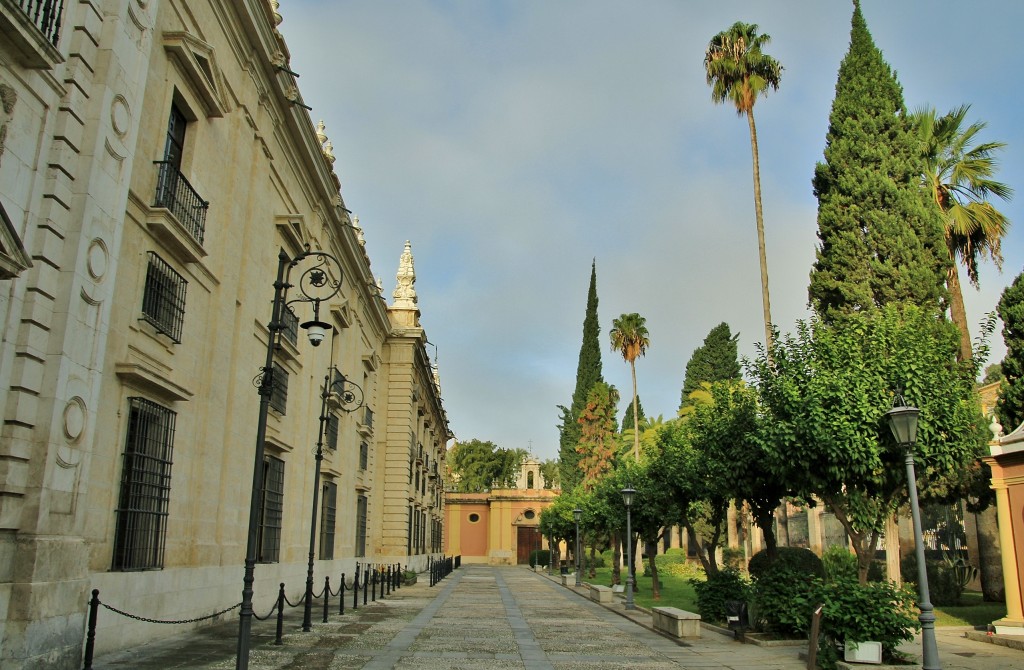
[
  {"x": 175, "y": 193},
  {"x": 45, "y": 15}
]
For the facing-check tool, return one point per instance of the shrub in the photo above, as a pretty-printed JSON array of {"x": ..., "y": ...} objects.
[
  {"x": 540, "y": 557},
  {"x": 785, "y": 599},
  {"x": 732, "y": 557},
  {"x": 839, "y": 563},
  {"x": 674, "y": 562},
  {"x": 718, "y": 588},
  {"x": 944, "y": 585},
  {"x": 878, "y": 611},
  {"x": 798, "y": 559}
]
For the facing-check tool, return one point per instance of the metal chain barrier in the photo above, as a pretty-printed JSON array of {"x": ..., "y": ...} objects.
[{"x": 174, "y": 621}]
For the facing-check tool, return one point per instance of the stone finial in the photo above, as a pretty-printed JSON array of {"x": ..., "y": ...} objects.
[
  {"x": 405, "y": 291},
  {"x": 274, "y": 6},
  {"x": 329, "y": 152},
  {"x": 996, "y": 428},
  {"x": 437, "y": 378},
  {"x": 320, "y": 134},
  {"x": 359, "y": 233}
]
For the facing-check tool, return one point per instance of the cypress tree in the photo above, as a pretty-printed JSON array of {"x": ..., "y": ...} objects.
[
  {"x": 880, "y": 239},
  {"x": 1010, "y": 406},
  {"x": 588, "y": 373},
  {"x": 716, "y": 360},
  {"x": 627, "y": 420}
]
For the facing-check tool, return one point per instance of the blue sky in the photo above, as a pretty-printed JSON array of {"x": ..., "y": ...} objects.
[{"x": 514, "y": 142}]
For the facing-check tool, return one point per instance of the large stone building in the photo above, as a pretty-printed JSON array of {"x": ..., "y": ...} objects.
[{"x": 155, "y": 158}]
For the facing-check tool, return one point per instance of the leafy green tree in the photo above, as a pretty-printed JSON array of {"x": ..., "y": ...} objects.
[
  {"x": 825, "y": 392},
  {"x": 588, "y": 373},
  {"x": 958, "y": 177},
  {"x": 478, "y": 466},
  {"x": 597, "y": 445},
  {"x": 630, "y": 338},
  {"x": 550, "y": 471},
  {"x": 1010, "y": 406},
  {"x": 993, "y": 373},
  {"x": 738, "y": 71},
  {"x": 881, "y": 241},
  {"x": 717, "y": 359}
]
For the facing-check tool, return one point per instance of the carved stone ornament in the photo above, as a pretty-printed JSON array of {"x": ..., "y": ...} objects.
[{"x": 405, "y": 291}]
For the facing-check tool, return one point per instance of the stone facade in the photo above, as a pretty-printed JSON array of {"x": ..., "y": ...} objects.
[{"x": 155, "y": 158}]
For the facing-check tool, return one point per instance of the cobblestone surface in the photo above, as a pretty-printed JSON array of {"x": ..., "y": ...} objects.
[{"x": 496, "y": 618}]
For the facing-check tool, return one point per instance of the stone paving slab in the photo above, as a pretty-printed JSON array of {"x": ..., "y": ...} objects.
[{"x": 495, "y": 618}]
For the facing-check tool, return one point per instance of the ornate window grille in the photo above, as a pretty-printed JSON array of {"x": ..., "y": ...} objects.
[
  {"x": 329, "y": 504},
  {"x": 279, "y": 391},
  {"x": 360, "y": 525},
  {"x": 268, "y": 533},
  {"x": 163, "y": 298},
  {"x": 45, "y": 15},
  {"x": 141, "y": 530}
]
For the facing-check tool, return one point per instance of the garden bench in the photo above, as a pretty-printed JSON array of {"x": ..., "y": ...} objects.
[
  {"x": 676, "y": 622},
  {"x": 600, "y": 594}
]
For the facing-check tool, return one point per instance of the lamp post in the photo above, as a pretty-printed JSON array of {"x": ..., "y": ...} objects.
[
  {"x": 577, "y": 514},
  {"x": 627, "y": 499},
  {"x": 315, "y": 285},
  {"x": 903, "y": 422},
  {"x": 349, "y": 398}
]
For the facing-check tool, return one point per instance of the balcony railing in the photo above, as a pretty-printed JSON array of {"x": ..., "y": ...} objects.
[
  {"x": 175, "y": 193},
  {"x": 45, "y": 15}
]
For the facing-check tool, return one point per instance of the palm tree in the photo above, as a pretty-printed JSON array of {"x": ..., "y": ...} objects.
[
  {"x": 958, "y": 177},
  {"x": 630, "y": 338},
  {"x": 737, "y": 71}
]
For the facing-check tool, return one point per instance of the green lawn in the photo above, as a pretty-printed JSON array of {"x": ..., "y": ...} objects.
[
  {"x": 973, "y": 612},
  {"x": 677, "y": 592}
]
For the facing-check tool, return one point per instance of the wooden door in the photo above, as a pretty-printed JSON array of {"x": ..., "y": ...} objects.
[{"x": 527, "y": 539}]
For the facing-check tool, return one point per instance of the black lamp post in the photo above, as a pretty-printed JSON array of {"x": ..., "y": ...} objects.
[
  {"x": 315, "y": 285},
  {"x": 349, "y": 398},
  {"x": 627, "y": 500},
  {"x": 903, "y": 422},
  {"x": 577, "y": 514}
]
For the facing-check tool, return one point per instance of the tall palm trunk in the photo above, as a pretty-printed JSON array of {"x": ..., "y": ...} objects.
[
  {"x": 636, "y": 419},
  {"x": 762, "y": 254},
  {"x": 957, "y": 311}
]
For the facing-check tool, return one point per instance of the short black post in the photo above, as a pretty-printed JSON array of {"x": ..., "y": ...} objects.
[
  {"x": 90, "y": 636},
  {"x": 366, "y": 587},
  {"x": 341, "y": 595},
  {"x": 280, "y": 614},
  {"x": 387, "y": 582},
  {"x": 355, "y": 590},
  {"x": 374, "y": 585},
  {"x": 327, "y": 595}
]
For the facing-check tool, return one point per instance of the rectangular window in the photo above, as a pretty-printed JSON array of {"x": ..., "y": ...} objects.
[
  {"x": 279, "y": 393},
  {"x": 360, "y": 525},
  {"x": 163, "y": 298},
  {"x": 332, "y": 432},
  {"x": 141, "y": 529},
  {"x": 268, "y": 534},
  {"x": 328, "y": 505},
  {"x": 364, "y": 455},
  {"x": 174, "y": 144}
]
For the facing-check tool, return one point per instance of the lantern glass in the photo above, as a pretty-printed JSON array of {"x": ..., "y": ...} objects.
[{"x": 627, "y": 496}]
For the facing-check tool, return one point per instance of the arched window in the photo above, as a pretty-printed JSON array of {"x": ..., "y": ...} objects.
[{"x": 529, "y": 480}]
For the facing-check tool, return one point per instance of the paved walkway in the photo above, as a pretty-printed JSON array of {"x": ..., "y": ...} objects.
[{"x": 487, "y": 618}]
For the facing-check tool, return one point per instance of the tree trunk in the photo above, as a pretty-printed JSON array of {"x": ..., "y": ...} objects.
[
  {"x": 763, "y": 518},
  {"x": 636, "y": 418},
  {"x": 990, "y": 565},
  {"x": 592, "y": 572},
  {"x": 762, "y": 254},
  {"x": 655, "y": 586},
  {"x": 957, "y": 311},
  {"x": 616, "y": 559}
]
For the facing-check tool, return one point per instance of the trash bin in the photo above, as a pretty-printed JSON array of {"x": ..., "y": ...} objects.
[
  {"x": 736, "y": 615},
  {"x": 564, "y": 568}
]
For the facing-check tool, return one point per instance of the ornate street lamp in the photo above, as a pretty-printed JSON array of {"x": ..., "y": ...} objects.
[
  {"x": 577, "y": 514},
  {"x": 903, "y": 422},
  {"x": 627, "y": 500},
  {"x": 349, "y": 398},
  {"x": 315, "y": 285}
]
